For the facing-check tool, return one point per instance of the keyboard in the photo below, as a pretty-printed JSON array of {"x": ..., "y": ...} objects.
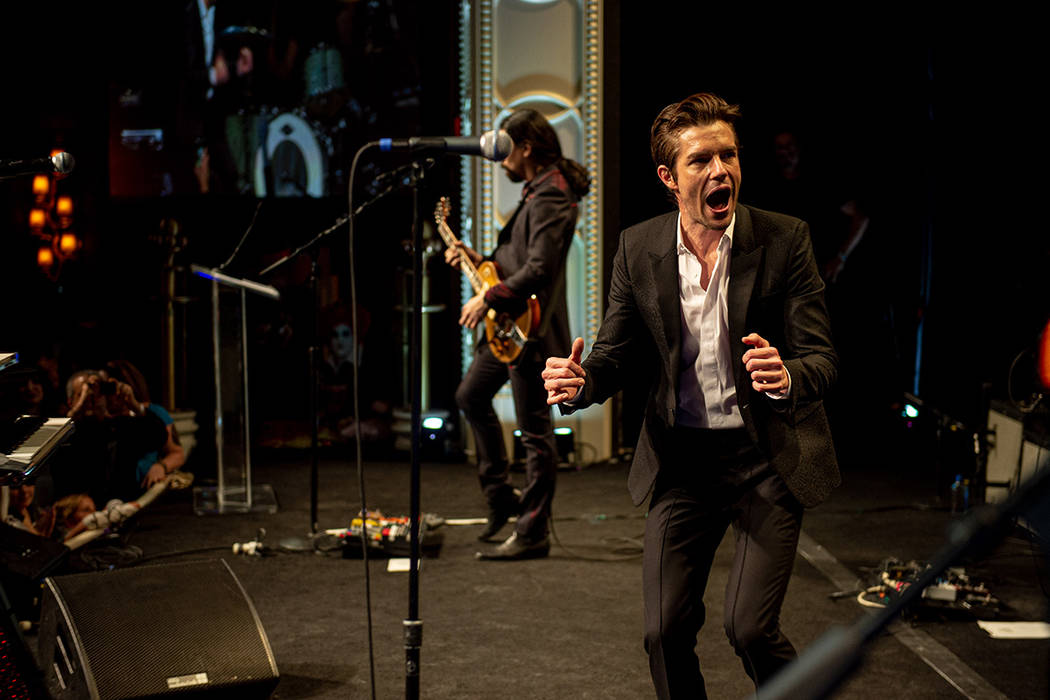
[{"x": 27, "y": 443}]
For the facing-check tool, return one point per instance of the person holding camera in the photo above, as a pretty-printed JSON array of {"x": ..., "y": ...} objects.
[
  {"x": 154, "y": 466},
  {"x": 122, "y": 444},
  {"x": 93, "y": 394}
]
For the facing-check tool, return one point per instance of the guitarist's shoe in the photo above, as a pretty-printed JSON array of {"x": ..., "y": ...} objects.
[
  {"x": 517, "y": 547},
  {"x": 499, "y": 515}
]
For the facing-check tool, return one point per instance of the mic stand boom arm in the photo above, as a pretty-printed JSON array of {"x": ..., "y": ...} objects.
[
  {"x": 395, "y": 184},
  {"x": 314, "y": 350}
]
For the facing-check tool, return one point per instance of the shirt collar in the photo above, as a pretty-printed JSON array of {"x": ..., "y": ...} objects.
[
  {"x": 538, "y": 178},
  {"x": 727, "y": 235}
]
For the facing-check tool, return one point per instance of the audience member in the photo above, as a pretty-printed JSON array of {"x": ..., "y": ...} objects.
[
  {"x": 23, "y": 511},
  {"x": 122, "y": 444},
  {"x": 32, "y": 387},
  {"x": 69, "y": 515},
  {"x": 155, "y": 465}
]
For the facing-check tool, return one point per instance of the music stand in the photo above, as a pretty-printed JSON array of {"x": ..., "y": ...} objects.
[{"x": 235, "y": 492}]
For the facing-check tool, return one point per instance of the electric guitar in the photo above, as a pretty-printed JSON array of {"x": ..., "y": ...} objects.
[{"x": 505, "y": 334}]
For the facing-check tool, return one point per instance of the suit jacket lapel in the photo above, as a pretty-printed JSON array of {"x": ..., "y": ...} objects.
[
  {"x": 527, "y": 192},
  {"x": 663, "y": 259},
  {"x": 743, "y": 269},
  {"x": 504, "y": 234}
]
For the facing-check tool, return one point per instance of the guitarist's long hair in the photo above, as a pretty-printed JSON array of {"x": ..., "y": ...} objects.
[{"x": 529, "y": 125}]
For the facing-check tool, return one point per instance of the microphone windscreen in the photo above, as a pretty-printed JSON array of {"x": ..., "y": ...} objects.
[
  {"x": 496, "y": 145},
  {"x": 63, "y": 163}
]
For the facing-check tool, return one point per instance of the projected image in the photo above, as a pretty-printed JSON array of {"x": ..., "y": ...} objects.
[{"x": 269, "y": 98}]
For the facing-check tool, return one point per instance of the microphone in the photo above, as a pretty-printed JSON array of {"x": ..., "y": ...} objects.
[
  {"x": 493, "y": 145},
  {"x": 60, "y": 164}
]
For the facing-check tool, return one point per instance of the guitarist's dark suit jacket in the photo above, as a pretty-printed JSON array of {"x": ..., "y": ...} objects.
[
  {"x": 776, "y": 291},
  {"x": 531, "y": 252}
]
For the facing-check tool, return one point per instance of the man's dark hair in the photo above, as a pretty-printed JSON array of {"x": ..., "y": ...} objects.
[
  {"x": 528, "y": 125},
  {"x": 700, "y": 109}
]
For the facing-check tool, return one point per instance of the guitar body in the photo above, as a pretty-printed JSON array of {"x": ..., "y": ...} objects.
[{"x": 505, "y": 334}]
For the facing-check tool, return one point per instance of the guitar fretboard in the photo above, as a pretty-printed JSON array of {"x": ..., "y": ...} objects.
[{"x": 468, "y": 267}]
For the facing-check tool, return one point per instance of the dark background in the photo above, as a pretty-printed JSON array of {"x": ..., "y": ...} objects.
[{"x": 929, "y": 121}]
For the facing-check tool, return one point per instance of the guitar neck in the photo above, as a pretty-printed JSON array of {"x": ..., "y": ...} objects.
[{"x": 465, "y": 264}]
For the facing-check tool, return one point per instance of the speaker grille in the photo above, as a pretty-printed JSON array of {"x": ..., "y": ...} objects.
[
  {"x": 13, "y": 685},
  {"x": 167, "y": 629}
]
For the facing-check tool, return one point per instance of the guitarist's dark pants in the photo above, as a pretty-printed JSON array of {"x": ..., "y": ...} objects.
[{"x": 474, "y": 397}]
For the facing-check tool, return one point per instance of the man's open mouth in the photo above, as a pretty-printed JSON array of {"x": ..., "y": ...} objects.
[{"x": 719, "y": 199}]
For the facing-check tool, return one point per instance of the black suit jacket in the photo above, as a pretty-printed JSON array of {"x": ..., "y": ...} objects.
[
  {"x": 776, "y": 291},
  {"x": 531, "y": 252}
]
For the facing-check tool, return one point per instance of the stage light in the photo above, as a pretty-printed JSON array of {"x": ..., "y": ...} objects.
[
  {"x": 50, "y": 220},
  {"x": 64, "y": 206},
  {"x": 41, "y": 186},
  {"x": 45, "y": 258},
  {"x": 437, "y": 430},
  {"x": 564, "y": 441},
  {"x": 433, "y": 428},
  {"x": 68, "y": 243},
  {"x": 910, "y": 411}
]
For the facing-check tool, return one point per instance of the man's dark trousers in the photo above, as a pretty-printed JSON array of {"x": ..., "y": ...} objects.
[{"x": 713, "y": 479}]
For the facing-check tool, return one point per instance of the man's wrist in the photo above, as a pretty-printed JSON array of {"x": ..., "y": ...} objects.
[{"x": 785, "y": 392}]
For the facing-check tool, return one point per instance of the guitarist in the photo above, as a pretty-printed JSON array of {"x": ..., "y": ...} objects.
[{"x": 530, "y": 253}]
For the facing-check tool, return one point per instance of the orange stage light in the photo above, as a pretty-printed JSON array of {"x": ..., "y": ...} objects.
[
  {"x": 37, "y": 219},
  {"x": 41, "y": 185},
  {"x": 44, "y": 257},
  {"x": 68, "y": 243},
  {"x": 64, "y": 206}
]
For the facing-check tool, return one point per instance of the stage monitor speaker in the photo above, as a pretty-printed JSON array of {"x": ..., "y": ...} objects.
[
  {"x": 185, "y": 630},
  {"x": 19, "y": 676},
  {"x": 25, "y": 559}
]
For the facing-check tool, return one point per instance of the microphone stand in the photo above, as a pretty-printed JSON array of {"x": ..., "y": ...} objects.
[
  {"x": 409, "y": 175},
  {"x": 413, "y": 626},
  {"x": 313, "y": 351}
]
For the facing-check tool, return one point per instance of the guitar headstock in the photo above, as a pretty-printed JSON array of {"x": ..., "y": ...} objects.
[{"x": 441, "y": 210}]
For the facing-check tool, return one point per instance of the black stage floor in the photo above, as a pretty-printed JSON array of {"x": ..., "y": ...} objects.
[{"x": 570, "y": 626}]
